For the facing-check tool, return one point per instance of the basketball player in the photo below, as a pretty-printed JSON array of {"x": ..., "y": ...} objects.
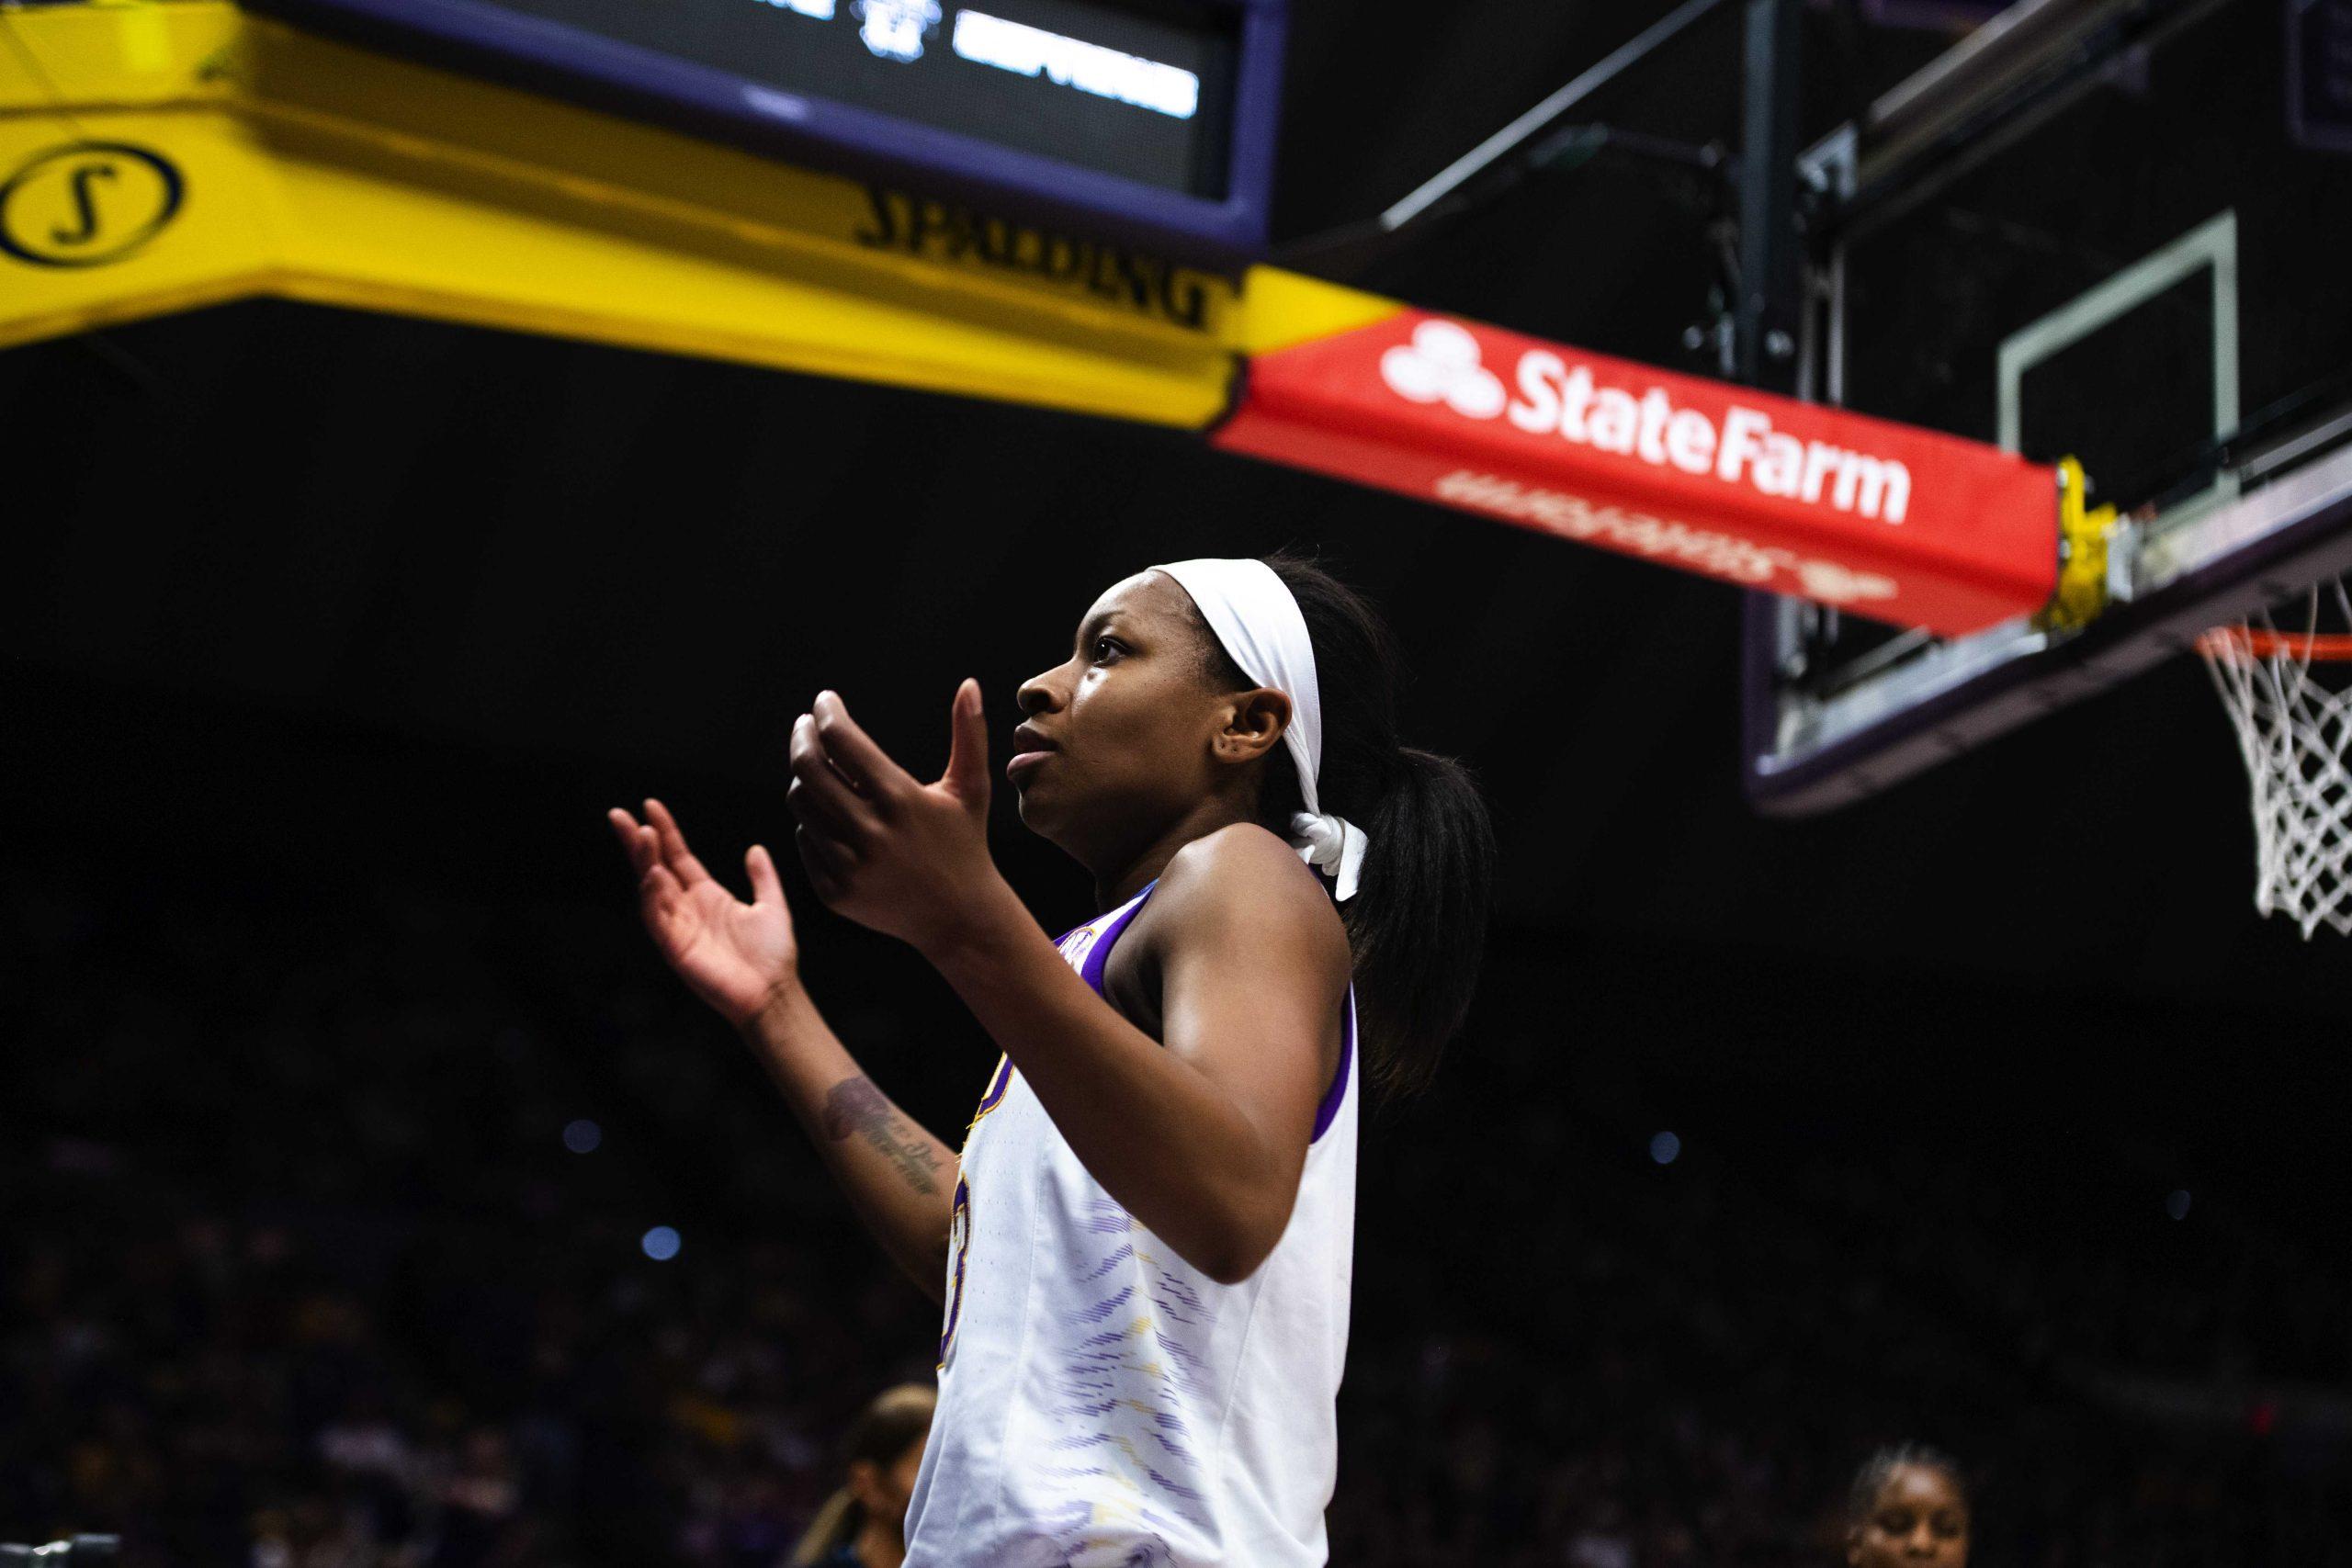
[
  {"x": 1143, "y": 1251},
  {"x": 864, "y": 1524},
  {"x": 1908, "y": 1508}
]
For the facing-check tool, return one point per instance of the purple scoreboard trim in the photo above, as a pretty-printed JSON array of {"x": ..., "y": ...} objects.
[{"x": 541, "y": 55}]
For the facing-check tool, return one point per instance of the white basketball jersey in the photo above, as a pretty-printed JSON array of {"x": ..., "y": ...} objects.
[{"x": 1101, "y": 1403}]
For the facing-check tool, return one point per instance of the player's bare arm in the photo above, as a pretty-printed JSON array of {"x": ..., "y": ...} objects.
[{"x": 744, "y": 960}]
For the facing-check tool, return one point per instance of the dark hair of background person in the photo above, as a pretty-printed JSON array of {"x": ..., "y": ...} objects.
[
  {"x": 1908, "y": 1505},
  {"x": 1877, "y": 1469},
  {"x": 895, "y": 1421},
  {"x": 1418, "y": 924}
]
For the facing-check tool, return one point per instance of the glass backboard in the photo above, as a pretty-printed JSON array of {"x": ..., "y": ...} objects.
[{"x": 2110, "y": 231}]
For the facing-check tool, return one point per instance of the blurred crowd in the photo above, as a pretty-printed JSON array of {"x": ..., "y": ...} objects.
[{"x": 327, "y": 1244}]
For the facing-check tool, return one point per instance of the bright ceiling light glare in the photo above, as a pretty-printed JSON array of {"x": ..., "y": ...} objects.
[
  {"x": 582, "y": 1136},
  {"x": 2177, "y": 1204},
  {"x": 1073, "y": 63},
  {"x": 1664, "y": 1148},
  {"x": 660, "y": 1243}
]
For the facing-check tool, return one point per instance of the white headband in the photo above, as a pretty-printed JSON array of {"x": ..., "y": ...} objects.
[{"x": 1254, "y": 617}]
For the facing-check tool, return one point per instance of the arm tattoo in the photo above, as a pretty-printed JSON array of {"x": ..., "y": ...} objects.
[{"x": 854, "y": 1105}]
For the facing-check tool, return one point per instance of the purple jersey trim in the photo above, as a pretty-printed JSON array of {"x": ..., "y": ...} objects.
[
  {"x": 1090, "y": 970},
  {"x": 1001, "y": 1081},
  {"x": 1098, "y": 960},
  {"x": 1329, "y": 1110}
]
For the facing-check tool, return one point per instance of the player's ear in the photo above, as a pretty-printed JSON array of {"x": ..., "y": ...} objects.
[{"x": 1254, "y": 725}]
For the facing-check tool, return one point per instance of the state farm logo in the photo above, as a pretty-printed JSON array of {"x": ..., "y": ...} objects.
[{"x": 1442, "y": 365}]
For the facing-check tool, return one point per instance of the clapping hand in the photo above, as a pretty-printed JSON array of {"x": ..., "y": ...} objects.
[
  {"x": 893, "y": 853},
  {"x": 738, "y": 957}
]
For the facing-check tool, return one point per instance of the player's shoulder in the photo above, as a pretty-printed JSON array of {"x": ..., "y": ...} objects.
[
  {"x": 1243, "y": 872},
  {"x": 1240, "y": 854}
]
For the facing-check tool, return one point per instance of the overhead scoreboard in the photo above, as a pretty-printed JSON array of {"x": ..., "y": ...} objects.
[{"x": 1152, "y": 120}]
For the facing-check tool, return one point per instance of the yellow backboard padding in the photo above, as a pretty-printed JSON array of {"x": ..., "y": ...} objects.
[
  {"x": 218, "y": 244},
  {"x": 1280, "y": 309},
  {"x": 317, "y": 171},
  {"x": 137, "y": 53}
]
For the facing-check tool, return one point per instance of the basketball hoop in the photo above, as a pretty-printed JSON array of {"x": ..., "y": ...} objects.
[{"x": 2288, "y": 693}]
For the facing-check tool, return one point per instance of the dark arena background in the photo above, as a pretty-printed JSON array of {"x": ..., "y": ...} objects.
[{"x": 370, "y": 1194}]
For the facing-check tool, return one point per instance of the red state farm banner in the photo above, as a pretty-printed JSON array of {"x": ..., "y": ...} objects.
[{"x": 1881, "y": 519}]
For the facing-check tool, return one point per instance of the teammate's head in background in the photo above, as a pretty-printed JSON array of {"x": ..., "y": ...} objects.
[
  {"x": 1150, "y": 735},
  {"x": 864, "y": 1522},
  {"x": 1908, "y": 1508}
]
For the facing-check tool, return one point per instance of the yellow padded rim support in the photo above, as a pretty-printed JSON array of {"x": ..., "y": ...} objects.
[{"x": 2083, "y": 534}]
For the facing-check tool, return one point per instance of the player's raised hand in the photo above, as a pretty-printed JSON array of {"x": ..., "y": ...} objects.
[
  {"x": 887, "y": 851},
  {"x": 735, "y": 956}
]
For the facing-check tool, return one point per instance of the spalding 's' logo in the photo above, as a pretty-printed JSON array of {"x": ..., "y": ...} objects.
[{"x": 87, "y": 203}]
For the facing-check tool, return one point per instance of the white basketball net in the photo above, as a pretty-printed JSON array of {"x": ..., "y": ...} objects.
[{"x": 2294, "y": 727}]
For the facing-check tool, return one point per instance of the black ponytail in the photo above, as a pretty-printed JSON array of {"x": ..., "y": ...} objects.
[{"x": 1418, "y": 924}]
